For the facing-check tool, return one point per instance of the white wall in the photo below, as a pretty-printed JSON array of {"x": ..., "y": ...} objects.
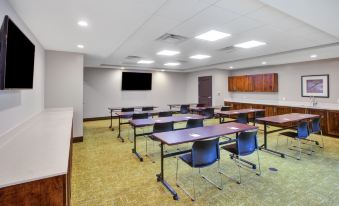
[
  {"x": 290, "y": 80},
  {"x": 219, "y": 85},
  {"x": 64, "y": 84},
  {"x": 17, "y": 106},
  {"x": 102, "y": 89}
]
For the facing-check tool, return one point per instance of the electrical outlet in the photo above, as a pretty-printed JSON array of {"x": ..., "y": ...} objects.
[{"x": 284, "y": 98}]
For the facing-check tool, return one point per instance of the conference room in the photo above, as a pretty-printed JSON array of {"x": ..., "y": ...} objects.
[{"x": 169, "y": 102}]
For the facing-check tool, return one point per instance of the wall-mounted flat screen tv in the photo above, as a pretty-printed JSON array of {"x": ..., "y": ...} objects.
[
  {"x": 16, "y": 57},
  {"x": 136, "y": 81}
]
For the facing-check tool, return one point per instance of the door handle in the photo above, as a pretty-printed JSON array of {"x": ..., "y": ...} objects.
[{"x": 209, "y": 97}]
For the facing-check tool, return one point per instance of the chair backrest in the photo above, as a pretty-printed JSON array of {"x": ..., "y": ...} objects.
[
  {"x": 205, "y": 153},
  {"x": 193, "y": 123},
  {"x": 147, "y": 108},
  {"x": 140, "y": 116},
  {"x": 162, "y": 127},
  {"x": 316, "y": 125},
  {"x": 200, "y": 105},
  {"x": 259, "y": 114},
  {"x": 184, "y": 109},
  {"x": 247, "y": 142},
  {"x": 242, "y": 118},
  {"x": 131, "y": 109},
  {"x": 165, "y": 114},
  {"x": 302, "y": 130},
  {"x": 208, "y": 112},
  {"x": 225, "y": 108}
]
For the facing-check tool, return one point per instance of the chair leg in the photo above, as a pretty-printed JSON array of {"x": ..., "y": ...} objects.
[
  {"x": 322, "y": 139},
  {"x": 299, "y": 144},
  {"x": 193, "y": 185},
  {"x": 239, "y": 182},
  {"x": 258, "y": 163},
  {"x": 176, "y": 173}
]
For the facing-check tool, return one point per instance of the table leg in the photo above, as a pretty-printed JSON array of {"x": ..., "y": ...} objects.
[
  {"x": 264, "y": 146},
  {"x": 134, "y": 150},
  {"x": 160, "y": 177},
  {"x": 111, "y": 125},
  {"x": 119, "y": 133}
]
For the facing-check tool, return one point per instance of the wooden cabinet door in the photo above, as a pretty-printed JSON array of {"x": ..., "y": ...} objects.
[
  {"x": 258, "y": 83},
  {"x": 231, "y": 84},
  {"x": 270, "y": 110},
  {"x": 270, "y": 82}
]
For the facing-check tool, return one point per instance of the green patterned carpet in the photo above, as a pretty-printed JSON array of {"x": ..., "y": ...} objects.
[{"x": 105, "y": 172}]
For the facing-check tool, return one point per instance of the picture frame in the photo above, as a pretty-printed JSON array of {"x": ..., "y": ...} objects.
[{"x": 315, "y": 86}]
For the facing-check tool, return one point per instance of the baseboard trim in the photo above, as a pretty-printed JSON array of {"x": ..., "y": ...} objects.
[
  {"x": 97, "y": 118},
  {"x": 77, "y": 139}
]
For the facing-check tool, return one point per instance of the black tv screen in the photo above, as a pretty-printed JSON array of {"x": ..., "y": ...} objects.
[
  {"x": 16, "y": 57},
  {"x": 136, "y": 81}
]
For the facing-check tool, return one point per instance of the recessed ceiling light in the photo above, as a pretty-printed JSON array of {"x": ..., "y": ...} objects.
[
  {"x": 172, "y": 64},
  {"x": 231, "y": 67},
  {"x": 145, "y": 62},
  {"x": 168, "y": 53},
  {"x": 212, "y": 35},
  {"x": 162, "y": 70},
  {"x": 122, "y": 68},
  {"x": 314, "y": 56},
  {"x": 80, "y": 46},
  {"x": 263, "y": 63},
  {"x": 200, "y": 56},
  {"x": 83, "y": 23},
  {"x": 250, "y": 44}
]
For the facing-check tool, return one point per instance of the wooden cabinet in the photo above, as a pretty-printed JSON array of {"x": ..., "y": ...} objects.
[
  {"x": 329, "y": 118},
  {"x": 253, "y": 83},
  {"x": 333, "y": 123}
]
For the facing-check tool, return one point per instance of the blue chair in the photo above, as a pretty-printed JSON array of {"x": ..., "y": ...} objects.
[
  {"x": 301, "y": 134},
  {"x": 201, "y": 105},
  {"x": 184, "y": 109},
  {"x": 194, "y": 123},
  {"x": 138, "y": 116},
  {"x": 157, "y": 128},
  {"x": 316, "y": 129},
  {"x": 208, "y": 113},
  {"x": 204, "y": 153},
  {"x": 242, "y": 118},
  {"x": 246, "y": 143},
  {"x": 130, "y": 109},
  {"x": 165, "y": 114},
  {"x": 147, "y": 108},
  {"x": 258, "y": 114}
]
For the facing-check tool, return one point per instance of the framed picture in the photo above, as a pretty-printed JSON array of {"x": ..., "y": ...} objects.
[{"x": 315, "y": 86}]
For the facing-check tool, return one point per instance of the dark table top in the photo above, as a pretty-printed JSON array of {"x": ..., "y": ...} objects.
[
  {"x": 285, "y": 118},
  {"x": 176, "y": 118},
  {"x": 239, "y": 111},
  {"x": 200, "y": 133},
  {"x": 202, "y": 108},
  {"x": 129, "y": 114},
  {"x": 181, "y": 104},
  {"x": 135, "y": 107}
]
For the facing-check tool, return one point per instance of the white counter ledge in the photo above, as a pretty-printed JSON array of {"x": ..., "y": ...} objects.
[{"x": 37, "y": 149}]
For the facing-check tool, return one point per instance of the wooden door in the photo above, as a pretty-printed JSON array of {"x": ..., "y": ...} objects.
[{"x": 205, "y": 90}]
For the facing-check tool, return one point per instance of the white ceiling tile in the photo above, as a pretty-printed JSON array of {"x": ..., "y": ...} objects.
[
  {"x": 240, "y": 6},
  {"x": 181, "y": 10},
  {"x": 211, "y": 18},
  {"x": 242, "y": 24}
]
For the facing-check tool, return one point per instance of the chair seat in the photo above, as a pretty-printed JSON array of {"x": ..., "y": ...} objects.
[
  {"x": 187, "y": 158},
  {"x": 232, "y": 148},
  {"x": 289, "y": 134}
]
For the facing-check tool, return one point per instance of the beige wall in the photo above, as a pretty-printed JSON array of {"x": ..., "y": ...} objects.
[
  {"x": 290, "y": 80},
  {"x": 17, "y": 106},
  {"x": 64, "y": 84},
  {"x": 102, "y": 89}
]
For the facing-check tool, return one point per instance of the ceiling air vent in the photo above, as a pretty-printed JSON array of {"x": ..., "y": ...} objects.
[
  {"x": 133, "y": 57},
  {"x": 227, "y": 49},
  {"x": 172, "y": 38}
]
